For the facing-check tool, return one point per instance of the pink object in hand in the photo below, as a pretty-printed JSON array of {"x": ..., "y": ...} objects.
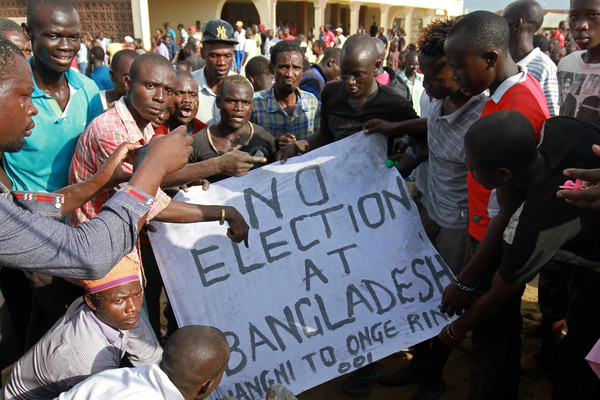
[{"x": 569, "y": 185}]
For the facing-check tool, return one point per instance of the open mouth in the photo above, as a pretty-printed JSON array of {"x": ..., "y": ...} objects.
[
  {"x": 582, "y": 41},
  {"x": 185, "y": 112}
]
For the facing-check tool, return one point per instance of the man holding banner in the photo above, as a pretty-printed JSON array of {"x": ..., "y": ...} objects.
[
  {"x": 347, "y": 104},
  {"x": 342, "y": 275},
  {"x": 150, "y": 89}
]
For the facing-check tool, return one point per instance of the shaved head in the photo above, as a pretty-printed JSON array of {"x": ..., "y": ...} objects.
[
  {"x": 194, "y": 359},
  {"x": 486, "y": 31},
  {"x": 530, "y": 11},
  {"x": 380, "y": 48},
  {"x": 504, "y": 139},
  {"x": 8, "y": 55},
  {"x": 360, "y": 47},
  {"x": 8, "y": 25},
  {"x": 57, "y": 5},
  {"x": 147, "y": 58}
]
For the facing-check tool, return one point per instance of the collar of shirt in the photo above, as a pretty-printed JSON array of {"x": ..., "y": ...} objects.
[
  {"x": 74, "y": 84},
  {"x": 527, "y": 59},
  {"x": 436, "y": 108},
  {"x": 71, "y": 77},
  {"x": 509, "y": 82},
  {"x": 273, "y": 105},
  {"x": 111, "y": 334},
  {"x": 203, "y": 84},
  {"x": 132, "y": 129},
  {"x": 418, "y": 77}
]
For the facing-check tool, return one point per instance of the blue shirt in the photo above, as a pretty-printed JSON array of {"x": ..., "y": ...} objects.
[
  {"x": 173, "y": 34},
  {"x": 101, "y": 76},
  {"x": 44, "y": 161},
  {"x": 304, "y": 121},
  {"x": 313, "y": 81}
]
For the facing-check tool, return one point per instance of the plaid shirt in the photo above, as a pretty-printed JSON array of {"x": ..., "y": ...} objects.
[
  {"x": 304, "y": 121},
  {"x": 95, "y": 145}
]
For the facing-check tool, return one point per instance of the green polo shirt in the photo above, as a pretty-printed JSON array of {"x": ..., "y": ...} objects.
[{"x": 44, "y": 161}]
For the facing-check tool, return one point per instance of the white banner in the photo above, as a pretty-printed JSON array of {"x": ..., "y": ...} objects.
[{"x": 339, "y": 272}]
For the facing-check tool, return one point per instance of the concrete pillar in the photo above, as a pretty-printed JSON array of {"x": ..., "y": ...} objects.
[
  {"x": 302, "y": 17},
  {"x": 141, "y": 22},
  {"x": 408, "y": 23},
  {"x": 266, "y": 12},
  {"x": 354, "y": 11},
  {"x": 384, "y": 17},
  {"x": 319, "y": 14}
]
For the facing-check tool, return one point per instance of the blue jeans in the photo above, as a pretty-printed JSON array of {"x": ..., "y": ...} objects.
[{"x": 239, "y": 57}]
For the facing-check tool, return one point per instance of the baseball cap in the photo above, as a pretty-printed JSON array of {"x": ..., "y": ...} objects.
[{"x": 217, "y": 30}]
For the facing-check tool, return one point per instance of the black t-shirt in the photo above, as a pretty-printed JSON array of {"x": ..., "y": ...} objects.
[
  {"x": 339, "y": 119},
  {"x": 546, "y": 223},
  {"x": 261, "y": 144}
]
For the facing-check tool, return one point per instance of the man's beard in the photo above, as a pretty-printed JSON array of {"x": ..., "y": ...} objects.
[{"x": 12, "y": 147}]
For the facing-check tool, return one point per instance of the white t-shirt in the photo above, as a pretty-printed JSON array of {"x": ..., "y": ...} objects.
[
  {"x": 250, "y": 49},
  {"x": 143, "y": 383},
  {"x": 579, "y": 88}
]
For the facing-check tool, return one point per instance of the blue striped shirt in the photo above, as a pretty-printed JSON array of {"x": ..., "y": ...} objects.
[
  {"x": 304, "y": 121},
  {"x": 542, "y": 68}
]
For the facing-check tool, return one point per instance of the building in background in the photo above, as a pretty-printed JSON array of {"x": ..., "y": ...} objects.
[{"x": 118, "y": 18}]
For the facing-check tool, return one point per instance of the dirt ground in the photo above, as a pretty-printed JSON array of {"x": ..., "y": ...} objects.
[{"x": 456, "y": 372}]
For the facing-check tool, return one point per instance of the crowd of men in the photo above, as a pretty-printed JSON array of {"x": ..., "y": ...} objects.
[{"x": 484, "y": 121}]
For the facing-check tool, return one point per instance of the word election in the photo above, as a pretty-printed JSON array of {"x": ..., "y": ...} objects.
[{"x": 339, "y": 272}]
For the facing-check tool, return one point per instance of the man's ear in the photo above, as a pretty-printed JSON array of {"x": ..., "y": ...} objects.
[
  {"x": 271, "y": 69},
  {"x": 504, "y": 175},
  {"x": 111, "y": 75},
  {"x": 89, "y": 302},
  {"x": 26, "y": 31},
  {"x": 518, "y": 23},
  {"x": 378, "y": 63},
  {"x": 127, "y": 81},
  {"x": 331, "y": 62},
  {"x": 205, "y": 390},
  {"x": 218, "y": 100},
  {"x": 491, "y": 58}
]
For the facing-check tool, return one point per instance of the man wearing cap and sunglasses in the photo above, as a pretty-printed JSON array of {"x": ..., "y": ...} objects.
[{"x": 217, "y": 50}]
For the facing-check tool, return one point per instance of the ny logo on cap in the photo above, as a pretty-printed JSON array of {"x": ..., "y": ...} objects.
[{"x": 221, "y": 32}]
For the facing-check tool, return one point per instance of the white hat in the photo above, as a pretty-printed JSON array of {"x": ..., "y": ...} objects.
[{"x": 129, "y": 39}]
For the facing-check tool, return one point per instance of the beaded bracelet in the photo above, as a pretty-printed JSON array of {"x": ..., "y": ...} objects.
[{"x": 463, "y": 287}]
